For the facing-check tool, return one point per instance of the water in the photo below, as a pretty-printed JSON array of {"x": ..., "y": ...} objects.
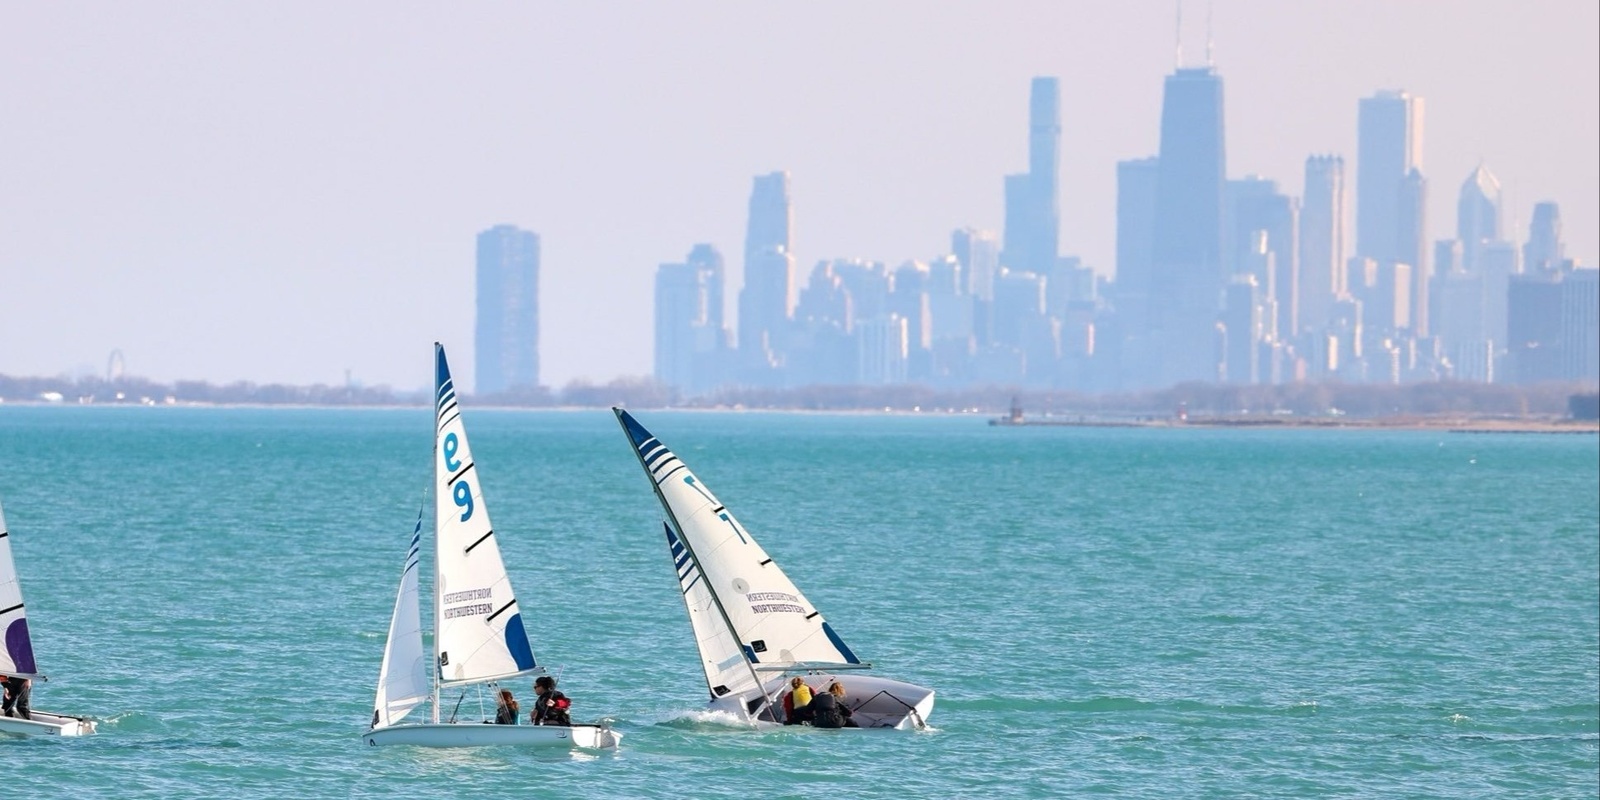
[{"x": 1102, "y": 611}]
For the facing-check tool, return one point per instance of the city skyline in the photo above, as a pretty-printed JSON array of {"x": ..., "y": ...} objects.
[{"x": 192, "y": 276}]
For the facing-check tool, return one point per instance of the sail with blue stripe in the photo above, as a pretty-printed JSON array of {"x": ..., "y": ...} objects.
[
  {"x": 744, "y": 609},
  {"x": 479, "y": 635}
]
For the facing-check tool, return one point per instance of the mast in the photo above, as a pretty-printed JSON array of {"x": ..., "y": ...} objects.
[{"x": 434, "y": 674}]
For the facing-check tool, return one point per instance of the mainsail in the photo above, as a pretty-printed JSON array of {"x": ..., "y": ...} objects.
[
  {"x": 479, "y": 634},
  {"x": 16, "y": 649},
  {"x": 403, "y": 680},
  {"x": 729, "y": 581}
]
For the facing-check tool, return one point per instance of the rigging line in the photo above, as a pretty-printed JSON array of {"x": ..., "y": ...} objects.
[
  {"x": 453, "y": 711},
  {"x": 911, "y": 708}
]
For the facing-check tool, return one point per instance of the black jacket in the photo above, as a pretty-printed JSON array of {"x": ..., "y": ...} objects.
[{"x": 827, "y": 711}]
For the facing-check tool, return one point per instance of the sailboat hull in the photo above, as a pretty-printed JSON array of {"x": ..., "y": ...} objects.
[
  {"x": 45, "y": 723},
  {"x": 874, "y": 702},
  {"x": 467, "y": 734}
]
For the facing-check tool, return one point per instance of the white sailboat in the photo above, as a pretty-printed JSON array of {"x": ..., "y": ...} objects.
[
  {"x": 16, "y": 653},
  {"x": 754, "y": 627},
  {"x": 479, "y": 639}
]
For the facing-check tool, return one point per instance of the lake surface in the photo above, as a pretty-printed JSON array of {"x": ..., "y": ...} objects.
[{"x": 1103, "y": 612}]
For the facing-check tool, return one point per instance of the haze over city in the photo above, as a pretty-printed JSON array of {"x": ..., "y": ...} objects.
[{"x": 279, "y": 194}]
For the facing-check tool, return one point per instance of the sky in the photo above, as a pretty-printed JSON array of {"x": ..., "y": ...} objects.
[{"x": 289, "y": 192}]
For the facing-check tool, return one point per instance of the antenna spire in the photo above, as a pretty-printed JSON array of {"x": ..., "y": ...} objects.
[
  {"x": 1209, "y": 62},
  {"x": 1178, "y": 36}
]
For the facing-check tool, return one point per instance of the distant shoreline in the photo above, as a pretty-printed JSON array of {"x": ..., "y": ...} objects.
[
  {"x": 1448, "y": 423},
  {"x": 1442, "y": 423}
]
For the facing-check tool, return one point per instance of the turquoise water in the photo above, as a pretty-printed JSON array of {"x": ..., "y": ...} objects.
[{"x": 1104, "y": 612}]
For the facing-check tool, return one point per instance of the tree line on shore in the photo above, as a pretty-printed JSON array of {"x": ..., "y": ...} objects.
[{"x": 1299, "y": 399}]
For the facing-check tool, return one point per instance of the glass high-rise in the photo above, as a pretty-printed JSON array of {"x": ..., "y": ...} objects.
[
  {"x": 1033, "y": 199},
  {"x": 766, "y": 302},
  {"x": 1322, "y": 242},
  {"x": 1478, "y": 217},
  {"x": 507, "y": 330},
  {"x": 691, "y": 341},
  {"x": 1389, "y": 141},
  {"x": 1187, "y": 267}
]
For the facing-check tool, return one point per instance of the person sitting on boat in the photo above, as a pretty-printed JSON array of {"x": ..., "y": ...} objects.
[
  {"x": 505, "y": 709},
  {"x": 17, "y": 690},
  {"x": 828, "y": 710},
  {"x": 795, "y": 701},
  {"x": 551, "y": 707}
]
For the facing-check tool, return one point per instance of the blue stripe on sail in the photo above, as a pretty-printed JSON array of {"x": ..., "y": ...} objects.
[
  {"x": 849, "y": 657},
  {"x": 444, "y": 402},
  {"x": 636, "y": 432},
  {"x": 517, "y": 643},
  {"x": 650, "y": 447},
  {"x": 650, "y": 460},
  {"x": 750, "y": 654},
  {"x": 413, "y": 555},
  {"x": 441, "y": 371},
  {"x": 19, "y": 647}
]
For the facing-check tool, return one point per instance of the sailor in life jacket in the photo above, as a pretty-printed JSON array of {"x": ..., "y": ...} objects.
[
  {"x": 550, "y": 708},
  {"x": 795, "y": 701}
]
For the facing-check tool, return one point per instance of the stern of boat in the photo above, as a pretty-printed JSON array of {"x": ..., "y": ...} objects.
[{"x": 45, "y": 723}]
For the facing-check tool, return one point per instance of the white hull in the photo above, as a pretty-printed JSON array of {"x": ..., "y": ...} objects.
[
  {"x": 470, "y": 734},
  {"x": 45, "y": 723},
  {"x": 874, "y": 702}
]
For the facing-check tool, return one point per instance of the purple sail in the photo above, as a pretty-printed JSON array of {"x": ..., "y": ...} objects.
[{"x": 19, "y": 646}]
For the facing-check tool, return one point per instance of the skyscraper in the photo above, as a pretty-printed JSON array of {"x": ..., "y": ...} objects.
[
  {"x": 1137, "y": 180},
  {"x": 1322, "y": 241},
  {"x": 691, "y": 341},
  {"x": 979, "y": 255},
  {"x": 1255, "y": 206},
  {"x": 1478, "y": 217},
  {"x": 1544, "y": 250},
  {"x": 1389, "y": 130},
  {"x": 767, "y": 300},
  {"x": 507, "y": 335},
  {"x": 1411, "y": 232},
  {"x": 1187, "y": 268},
  {"x": 1033, "y": 199}
]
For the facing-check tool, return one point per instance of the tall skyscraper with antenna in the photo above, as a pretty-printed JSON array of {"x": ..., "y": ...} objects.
[{"x": 1187, "y": 268}]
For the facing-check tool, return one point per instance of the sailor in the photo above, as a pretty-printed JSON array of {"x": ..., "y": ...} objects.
[
  {"x": 828, "y": 710},
  {"x": 795, "y": 702},
  {"x": 17, "y": 690},
  {"x": 551, "y": 706},
  {"x": 505, "y": 708}
]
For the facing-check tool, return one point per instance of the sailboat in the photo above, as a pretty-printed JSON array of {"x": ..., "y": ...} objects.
[
  {"x": 479, "y": 639},
  {"x": 16, "y": 653},
  {"x": 754, "y": 628}
]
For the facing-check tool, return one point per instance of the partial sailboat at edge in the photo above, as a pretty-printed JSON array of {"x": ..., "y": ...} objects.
[
  {"x": 16, "y": 654},
  {"x": 479, "y": 638},
  {"x": 754, "y": 628}
]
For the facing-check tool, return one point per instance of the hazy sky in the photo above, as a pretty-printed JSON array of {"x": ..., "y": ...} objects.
[{"x": 278, "y": 192}]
